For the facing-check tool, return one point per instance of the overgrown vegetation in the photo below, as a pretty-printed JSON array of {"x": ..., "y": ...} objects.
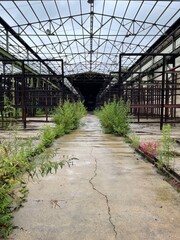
[
  {"x": 17, "y": 161},
  {"x": 166, "y": 150},
  {"x": 68, "y": 115},
  {"x": 114, "y": 117},
  {"x": 134, "y": 140},
  {"x": 16, "y": 166},
  {"x": 162, "y": 150}
]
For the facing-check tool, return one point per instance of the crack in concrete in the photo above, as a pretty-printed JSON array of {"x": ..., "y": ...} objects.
[{"x": 104, "y": 195}]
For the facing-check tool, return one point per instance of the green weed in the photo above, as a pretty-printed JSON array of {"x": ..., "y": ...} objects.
[
  {"x": 68, "y": 115},
  {"x": 135, "y": 140},
  {"x": 114, "y": 117},
  {"x": 19, "y": 162},
  {"x": 47, "y": 135},
  {"x": 166, "y": 151}
]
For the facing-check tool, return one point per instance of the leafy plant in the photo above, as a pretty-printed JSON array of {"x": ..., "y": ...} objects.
[
  {"x": 135, "y": 140},
  {"x": 47, "y": 136},
  {"x": 150, "y": 148},
  {"x": 68, "y": 115},
  {"x": 166, "y": 151},
  {"x": 8, "y": 106},
  {"x": 59, "y": 130},
  {"x": 40, "y": 112},
  {"x": 114, "y": 117},
  {"x": 18, "y": 161}
]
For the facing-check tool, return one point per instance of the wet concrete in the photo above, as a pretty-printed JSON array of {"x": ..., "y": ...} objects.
[
  {"x": 109, "y": 193},
  {"x": 32, "y": 129}
]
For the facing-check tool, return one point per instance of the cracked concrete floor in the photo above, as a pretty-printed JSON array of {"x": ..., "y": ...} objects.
[{"x": 109, "y": 193}]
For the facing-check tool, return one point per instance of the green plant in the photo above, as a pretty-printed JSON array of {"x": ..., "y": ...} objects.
[
  {"x": 166, "y": 151},
  {"x": 47, "y": 135},
  {"x": 18, "y": 112},
  {"x": 127, "y": 139},
  {"x": 68, "y": 115},
  {"x": 17, "y": 164},
  {"x": 40, "y": 112},
  {"x": 59, "y": 130},
  {"x": 21, "y": 159},
  {"x": 135, "y": 140},
  {"x": 8, "y": 107},
  {"x": 114, "y": 117}
]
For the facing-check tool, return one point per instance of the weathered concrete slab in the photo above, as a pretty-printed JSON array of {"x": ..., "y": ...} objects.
[
  {"x": 32, "y": 129},
  {"x": 109, "y": 193}
]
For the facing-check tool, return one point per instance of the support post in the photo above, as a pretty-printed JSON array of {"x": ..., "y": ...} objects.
[
  {"x": 46, "y": 99},
  {"x": 167, "y": 98},
  {"x": 23, "y": 97},
  {"x": 119, "y": 80},
  {"x": 139, "y": 92},
  {"x": 162, "y": 92},
  {"x": 62, "y": 67}
]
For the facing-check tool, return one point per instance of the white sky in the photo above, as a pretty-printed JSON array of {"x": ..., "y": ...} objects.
[{"x": 70, "y": 37}]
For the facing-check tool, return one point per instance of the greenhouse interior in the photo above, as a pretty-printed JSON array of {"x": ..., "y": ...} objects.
[{"x": 90, "y": 119}]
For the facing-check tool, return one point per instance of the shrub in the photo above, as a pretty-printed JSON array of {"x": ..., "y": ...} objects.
[
  {"x": 166, "y": 153},
  {"x": 68, "y": 115},
  {"x": 17, "y": 161},
  {"x": 59, "y": 130},
  {"x": 16, "y": 166},
  {"x": 114, "y": 117},
  {"x": 47, "y": 136}
]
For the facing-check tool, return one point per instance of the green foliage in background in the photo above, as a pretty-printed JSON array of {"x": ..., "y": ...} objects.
[
  {"x": 114, "y": 117},
  {"x": 8, "y": 106}
]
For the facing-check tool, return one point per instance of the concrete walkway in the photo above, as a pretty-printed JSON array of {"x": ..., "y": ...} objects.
[{"x": 109, "y": 193}]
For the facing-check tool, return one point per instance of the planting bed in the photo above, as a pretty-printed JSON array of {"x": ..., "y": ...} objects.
[{"x": 150, "y": 133}]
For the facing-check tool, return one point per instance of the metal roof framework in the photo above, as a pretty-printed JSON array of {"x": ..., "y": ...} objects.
[{"x": 87, "y": 35}]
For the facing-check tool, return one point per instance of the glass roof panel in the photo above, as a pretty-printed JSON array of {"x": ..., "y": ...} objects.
[{"x": 89, "y": 37}]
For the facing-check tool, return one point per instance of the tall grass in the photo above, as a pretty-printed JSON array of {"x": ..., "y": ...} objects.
[{"x": 114, "y": 117}]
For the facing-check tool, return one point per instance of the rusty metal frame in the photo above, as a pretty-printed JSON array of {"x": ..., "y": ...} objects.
[
  {"x": 24, "y": 93},
  {"x": 157, "y": 91}
]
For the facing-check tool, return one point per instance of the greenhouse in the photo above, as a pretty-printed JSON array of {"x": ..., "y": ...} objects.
[{"x": 89, "y": 119}]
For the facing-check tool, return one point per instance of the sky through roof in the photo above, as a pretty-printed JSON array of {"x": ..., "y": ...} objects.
[{"x": 88, "y": 37}]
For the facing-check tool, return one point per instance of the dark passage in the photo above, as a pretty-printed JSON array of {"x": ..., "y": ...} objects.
[
  {"x": 89, "y": 85},
  {"x": 89, "y": 91}
]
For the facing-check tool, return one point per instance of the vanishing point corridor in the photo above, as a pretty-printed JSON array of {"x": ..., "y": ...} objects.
[{"x": 109, "y": 193}]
